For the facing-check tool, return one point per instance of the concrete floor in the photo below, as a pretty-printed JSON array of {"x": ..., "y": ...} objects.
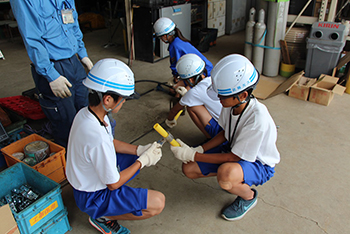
[{"x": 308, "y": 193}]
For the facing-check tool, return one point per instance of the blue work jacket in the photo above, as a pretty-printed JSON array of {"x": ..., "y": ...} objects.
[{"x": 44, "y": 34}]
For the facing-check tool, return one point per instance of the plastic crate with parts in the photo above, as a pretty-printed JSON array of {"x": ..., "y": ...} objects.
[
  {"x": 45, "y": 215},
  {"x": 53, "y": 166}
]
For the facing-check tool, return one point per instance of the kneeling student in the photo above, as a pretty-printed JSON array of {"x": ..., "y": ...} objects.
[
  {"x": 99, "y": 166},
  {"x": 203, "y": 110},
  {"x": 251, "y": 153}
]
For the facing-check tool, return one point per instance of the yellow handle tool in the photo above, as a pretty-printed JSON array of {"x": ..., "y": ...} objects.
[
  {"x": 166, "y": 135},
  {"x": 178, "y": 114}
]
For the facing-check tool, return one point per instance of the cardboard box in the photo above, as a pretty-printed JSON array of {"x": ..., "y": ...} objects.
[
  {"x": 269, "y": 87},
  {"x": 8, "y": 223},
  {"x": 301, "y": 89},
  {"x": 322, "y": 92}
]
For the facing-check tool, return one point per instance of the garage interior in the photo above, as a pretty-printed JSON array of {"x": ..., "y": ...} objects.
[{"x": 308, "y": 193}]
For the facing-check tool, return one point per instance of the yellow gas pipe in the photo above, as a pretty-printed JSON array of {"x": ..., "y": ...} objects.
[{"x": 165, "y": 134}]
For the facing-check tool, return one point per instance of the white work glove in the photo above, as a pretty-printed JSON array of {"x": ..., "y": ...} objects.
[
  {"x": 198, "y": 149},
  {"x": 87, "y": 62},
  {"x": 171, "y": 123},
  {"x": 184, "y": 152},
  {"x": 151, "y": 156},
  {"x": 171, "y": 82},
  {"x": 142, "y": 148},
  {"x": 181, "y": 90},
  {"x": 60, "y": 86}
]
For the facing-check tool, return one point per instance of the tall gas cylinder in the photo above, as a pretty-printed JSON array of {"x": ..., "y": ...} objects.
[
  {"x": 249, "y": 32},
  {"x": 276, "y": 27},
  {"x": 259, "y": 41}
]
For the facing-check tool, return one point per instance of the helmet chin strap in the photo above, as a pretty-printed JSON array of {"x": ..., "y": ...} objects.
[
  {"x": 109, "y": 110},
  {"x": 172, "y": 33},
  {"x": 240, "y": 102}
]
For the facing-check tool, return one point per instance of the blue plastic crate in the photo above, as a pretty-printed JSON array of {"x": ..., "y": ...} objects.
[
  {"x": 57, "y": 225},
  {"x": 46, "y": 208}
]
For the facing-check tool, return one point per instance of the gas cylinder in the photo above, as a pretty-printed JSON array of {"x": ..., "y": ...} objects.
[
  {"x": 259, "y": 41},
  {"x": 249, "y": 32},
  {"x": 276, "y": 28}
]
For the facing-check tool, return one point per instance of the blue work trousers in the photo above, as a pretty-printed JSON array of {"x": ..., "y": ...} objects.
[{"x": 61, "y": 111}]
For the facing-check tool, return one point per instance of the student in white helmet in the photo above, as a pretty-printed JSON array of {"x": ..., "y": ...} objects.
[
  {"x": 251, "y": 153},
  {"x": 167, "y": 31},
  {"x": 99, "y": 166},
  {"x": 203, "y": 110}
]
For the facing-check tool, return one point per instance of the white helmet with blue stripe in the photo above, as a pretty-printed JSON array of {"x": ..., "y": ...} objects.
[
  {"x": 163, "y": 26},
  {"x": 234, "y": 74},
  {"x": 189, "y": 65},
  {"x": 111, "y": 75}
]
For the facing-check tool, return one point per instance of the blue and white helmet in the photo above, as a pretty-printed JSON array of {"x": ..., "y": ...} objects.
[
  {"x": 111, "y": 75},
  {"x": 189, "y": 65},
  {"x": 233, "y": 74},
  {"x": 163, "y": 26}
]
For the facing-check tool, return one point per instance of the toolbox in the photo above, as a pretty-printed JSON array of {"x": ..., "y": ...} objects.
[
  {"x": 53, "y": 166},
  {"x": 45, "y": 215}
]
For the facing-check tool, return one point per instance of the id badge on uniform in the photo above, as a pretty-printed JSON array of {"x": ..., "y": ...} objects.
[{"x": 67, "y": 16}]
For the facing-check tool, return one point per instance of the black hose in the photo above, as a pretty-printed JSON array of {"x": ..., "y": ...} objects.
[{"x": 153, "y": 81}]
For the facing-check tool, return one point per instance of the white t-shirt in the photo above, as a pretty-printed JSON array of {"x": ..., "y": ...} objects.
[
  {"x": 256, "y": 134},
  {"x": 197, "y": 96},
  {"x": 91, "y": 156}
]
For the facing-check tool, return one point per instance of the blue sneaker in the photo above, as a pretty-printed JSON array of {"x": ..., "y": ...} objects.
[
  {"x": 239, "y": 208},
  {"x": 108, "y": 226}
]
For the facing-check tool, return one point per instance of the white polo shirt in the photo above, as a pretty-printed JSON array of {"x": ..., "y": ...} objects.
[
  {"x": 197, "y": 96},
  {"x": 91, "y": 156},
  {"x": 256, "y": 134}
]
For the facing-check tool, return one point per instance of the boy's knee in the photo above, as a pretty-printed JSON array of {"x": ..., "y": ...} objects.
[
  {"x": 159, "y": 204},
  {"x": 189, "y": 170},
  {"x": 228, "y": 174},
  {"x": 226, "y": 185}
]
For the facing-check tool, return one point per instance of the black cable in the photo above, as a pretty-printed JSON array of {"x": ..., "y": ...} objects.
[
  {"x": 144, "y": 134},
  {"x": 153, "y": 81}
]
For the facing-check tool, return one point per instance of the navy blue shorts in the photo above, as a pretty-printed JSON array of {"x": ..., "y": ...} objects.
[
  {"x": 253, "y": 172},
  {"x": 117, "y": 202}
]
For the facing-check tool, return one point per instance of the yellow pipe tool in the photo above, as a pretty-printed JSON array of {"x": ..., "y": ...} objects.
[
  {"x": 165, "y": 134},
  {"x": 178, "y": 114}
]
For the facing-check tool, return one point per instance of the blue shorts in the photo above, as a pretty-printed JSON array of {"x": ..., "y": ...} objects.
[
  {"x": 213, "y": 128},
  {"x": 117, "y": 202},
  {"x": 253, "y": 172}
]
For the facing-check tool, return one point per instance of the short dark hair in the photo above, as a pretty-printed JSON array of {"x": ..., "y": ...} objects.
[{"x": 94, "y": 99}]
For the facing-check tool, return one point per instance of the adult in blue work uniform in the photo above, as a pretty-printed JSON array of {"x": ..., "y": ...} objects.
[
  {"x": 52, "y": 37},
  {"x": 166, "y": 30}
]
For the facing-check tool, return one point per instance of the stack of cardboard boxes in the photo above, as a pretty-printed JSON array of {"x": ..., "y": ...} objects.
[{"x": 320, "y": 91}]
